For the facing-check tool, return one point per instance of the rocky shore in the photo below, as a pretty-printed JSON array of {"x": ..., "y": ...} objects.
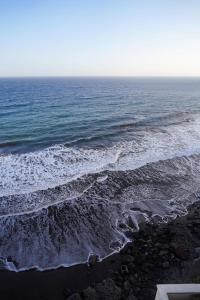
[
  {"x": 169, "y": 253},
  {"x": 165, "y": 253}
]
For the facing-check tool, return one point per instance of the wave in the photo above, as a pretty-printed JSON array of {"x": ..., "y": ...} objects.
[
  {"x": 48, "y": 168},
  {"x": 60, "y": 204},
  {"x": 167, "y": 119},
  {"x": 13, "y": 143},
  {"x": 95, "y": 214}
]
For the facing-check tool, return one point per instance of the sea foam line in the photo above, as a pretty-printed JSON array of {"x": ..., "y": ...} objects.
[{"x": 58, "y": 165}]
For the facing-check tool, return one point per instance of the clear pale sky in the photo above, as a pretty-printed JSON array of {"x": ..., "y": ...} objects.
[{"x": 100, "y": 37}]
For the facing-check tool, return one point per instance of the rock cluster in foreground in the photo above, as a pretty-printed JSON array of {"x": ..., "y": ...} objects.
[{"x": 167, "y": 253}]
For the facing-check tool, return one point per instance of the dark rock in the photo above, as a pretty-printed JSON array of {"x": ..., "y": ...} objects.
[
  {"x": 107, "y": 290},
  {"x": 197, "y": 252},
  {"x": 74, "y": 297},
  {"x": 67, "y": 292},
  {"x": 166, "y": 265},
  {"x": 158, "y": 245},
  {"x": 196, "y": 221},
  {"x": 130, "y": 250},
  {"x": 127, "y": 259},
  {"x": 132, "y": 266},
  {"x": 131, "y": 279},
  {"x": 124, "y": 269},
  {"x": 155, "y": 256},
  {"x": 9, "y": 259},
  {"x": 118, "y": 278},
  {"x": 150, "y": 293},
  {"x": 89, "y": 294},
  {"x": 93, "y": 259},
  {"x": 131, "y": 296},
  {"x": 181, "y": 252},
  {"x": 150, "y": 266},
  {"x": 163, "y": 253},
  {"x": 137, "y": 290},
  {"x": 165, "y": 246},
  {"x": 127, "y": 285}
]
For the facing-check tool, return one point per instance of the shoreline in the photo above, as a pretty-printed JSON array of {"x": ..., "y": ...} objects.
[{"x": 162, "y": 253}]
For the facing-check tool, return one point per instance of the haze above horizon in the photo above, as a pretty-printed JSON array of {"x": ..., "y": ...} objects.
[{"x": 99, "y": 38}]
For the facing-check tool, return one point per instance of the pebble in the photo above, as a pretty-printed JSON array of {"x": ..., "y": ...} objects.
[
  {"x": 107, "y": 290},
  {"x": 89, "y": 293},
  {"x": 166, "y": 265},
  {"x": 127, "y": 285},
  {"x": 131, "y": 296},
  {"x": 163, "y": 253},
  {"x": 75, "y": 297},
  {"x": 124, "y": 269},
  {"x": 128, "y": 259},
  {"x": 67, "y": 292},
  {"x": 92, "y": 260},
  {"x": 197, "y": 251},
  {"x": 132, "y": 266}
]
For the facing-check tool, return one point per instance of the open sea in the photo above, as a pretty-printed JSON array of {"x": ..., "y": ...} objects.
[{"x": 84, "y": 160}]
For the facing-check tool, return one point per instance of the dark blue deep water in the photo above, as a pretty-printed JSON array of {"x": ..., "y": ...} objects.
[
  {"x": 40, "y": 112},
  {"x": 83, "y": 161}
]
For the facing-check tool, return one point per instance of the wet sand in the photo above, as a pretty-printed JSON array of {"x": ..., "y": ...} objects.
[{"x": 168, "y": 253}]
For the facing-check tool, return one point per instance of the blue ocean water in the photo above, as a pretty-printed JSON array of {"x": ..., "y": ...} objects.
[
  {"x": 36, "y": 113},
  {"x": 84, "y": 160}
]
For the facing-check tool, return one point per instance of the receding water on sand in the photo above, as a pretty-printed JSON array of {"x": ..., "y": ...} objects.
[{"x": 85, "y": 216}]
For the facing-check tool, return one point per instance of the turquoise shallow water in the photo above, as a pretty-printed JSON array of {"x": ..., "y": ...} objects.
[{"x": 88, "y": 112}]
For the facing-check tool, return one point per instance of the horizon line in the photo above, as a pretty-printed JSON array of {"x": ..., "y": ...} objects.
[{"x": 100, "y": 76}]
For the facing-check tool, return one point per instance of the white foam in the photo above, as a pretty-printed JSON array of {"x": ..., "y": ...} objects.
[
  {"x": 97, "y": 220},
  {"x": 57, "y": 165},
  {"x": 48, "y": 168}
]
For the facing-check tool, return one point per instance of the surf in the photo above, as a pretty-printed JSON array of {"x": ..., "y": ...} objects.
[
  {"x": 58, "y": 165},
  {"x": 100, "y": 219}
]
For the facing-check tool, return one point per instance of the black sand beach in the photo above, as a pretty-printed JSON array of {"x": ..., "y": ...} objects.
[
  {"x": 166, "y": 253},
  {"x": 99, "y": 149}
]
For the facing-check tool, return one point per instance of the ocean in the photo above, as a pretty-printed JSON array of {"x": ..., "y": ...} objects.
[{"x": 84, "y": 160}]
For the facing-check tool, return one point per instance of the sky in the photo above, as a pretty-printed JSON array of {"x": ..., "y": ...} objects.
[{"x": 99, "y": 38}]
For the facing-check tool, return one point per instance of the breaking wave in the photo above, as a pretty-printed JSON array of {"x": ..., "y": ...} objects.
[
  {"x": 61, "y": 204},
  {"x": 29, "y": 172},
  {"x": 94, "y": 214}
]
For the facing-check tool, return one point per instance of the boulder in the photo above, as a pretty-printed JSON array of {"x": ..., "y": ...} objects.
[
  {"x": 75, "y": 296},
  {"x": 92, "y": 260},
  {"x": 107, "y": 290},
  {"x": 124, "y": 269},
  {"x": 89, "y": 294},
  {"x": 166, "y": 265}
]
